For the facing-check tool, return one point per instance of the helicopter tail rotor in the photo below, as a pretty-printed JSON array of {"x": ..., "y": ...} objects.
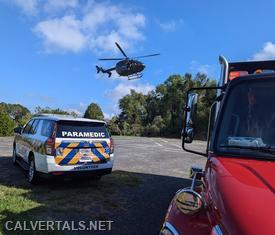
[{"x": 98, "y": 69}]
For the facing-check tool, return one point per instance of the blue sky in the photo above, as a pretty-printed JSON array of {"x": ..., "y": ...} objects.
[{"x": 49, "y": 48}]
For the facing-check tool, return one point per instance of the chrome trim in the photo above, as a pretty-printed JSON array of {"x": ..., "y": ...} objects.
[
  {"x": 194, "y": 171},
  {"x": 171, "y": 228},
  {"x": 191, "y": 191},
  {"x": 209, "y": 125},
  {"x": 217, "y": 230},
  {"x": 225, "y": 68}
]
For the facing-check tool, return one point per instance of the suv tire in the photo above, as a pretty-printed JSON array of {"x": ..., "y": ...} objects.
[
  {"x": 33, "y": 177},
  {"x": 14, "y": 156}
]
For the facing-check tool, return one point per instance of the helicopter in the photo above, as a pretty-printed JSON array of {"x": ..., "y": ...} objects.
[{"x": 128, "y": 67}]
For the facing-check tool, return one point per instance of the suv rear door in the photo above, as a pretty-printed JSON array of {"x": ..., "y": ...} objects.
[
  {"x": 82, "y": 142},
  {"x": 24, "y": 144}
]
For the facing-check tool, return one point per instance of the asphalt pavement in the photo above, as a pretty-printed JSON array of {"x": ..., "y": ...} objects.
[
  {"x": 159, "y": 166},
  {"x": 157, "y": 156}
]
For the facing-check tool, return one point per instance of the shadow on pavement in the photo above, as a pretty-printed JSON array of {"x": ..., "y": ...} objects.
[{"x": 135, "y": 202}]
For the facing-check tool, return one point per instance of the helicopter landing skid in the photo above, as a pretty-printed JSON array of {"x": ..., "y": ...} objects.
[{"x": 135, "y": 76}]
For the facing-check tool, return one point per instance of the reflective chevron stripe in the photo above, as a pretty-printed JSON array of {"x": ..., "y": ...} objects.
[{"x": 67, "y": 153}]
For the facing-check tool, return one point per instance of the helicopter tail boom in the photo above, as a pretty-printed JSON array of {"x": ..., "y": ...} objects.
[{"x": 100, "y": 69}]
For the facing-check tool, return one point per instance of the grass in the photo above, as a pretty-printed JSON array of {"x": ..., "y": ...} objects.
[
  {"x": 72, "y": 200},
  {"x": 14, "y": 204}
]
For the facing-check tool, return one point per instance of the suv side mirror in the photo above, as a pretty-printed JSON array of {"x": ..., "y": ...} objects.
[
  {"x": 18, "y": 130},
  {"x": 188, "y": 132}
]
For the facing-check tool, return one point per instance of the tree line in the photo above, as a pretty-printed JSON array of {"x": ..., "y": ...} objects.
[
  {"x": 158, "y": 113},
  {"x": 12, "y": 115}
]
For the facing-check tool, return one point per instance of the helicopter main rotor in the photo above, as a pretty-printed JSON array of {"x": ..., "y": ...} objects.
[{"x": 126, "y": 57}]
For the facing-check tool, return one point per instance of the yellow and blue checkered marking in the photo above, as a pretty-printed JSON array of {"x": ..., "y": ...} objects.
[{"x": 69, "y": 153}]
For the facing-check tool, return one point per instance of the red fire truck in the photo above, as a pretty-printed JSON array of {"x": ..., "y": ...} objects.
[{"x": 235, "y": 192}]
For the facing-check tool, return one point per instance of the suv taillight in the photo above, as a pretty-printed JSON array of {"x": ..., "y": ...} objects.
[
  {"x": 50, "y": 146},
  {"x": 50, "y": 142},
  {"x": 111, "y": 145}
]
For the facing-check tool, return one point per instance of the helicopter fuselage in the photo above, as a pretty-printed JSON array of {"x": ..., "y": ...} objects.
[{"x": 128, "y": 67}]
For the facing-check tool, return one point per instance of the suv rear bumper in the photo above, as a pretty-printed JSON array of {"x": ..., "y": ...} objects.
[
  {"x": 75, "y": 174},
  {"x": 47, "y": 165}
]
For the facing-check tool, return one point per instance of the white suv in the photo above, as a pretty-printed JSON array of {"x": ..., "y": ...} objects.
[{"x": 55, "y": 145}]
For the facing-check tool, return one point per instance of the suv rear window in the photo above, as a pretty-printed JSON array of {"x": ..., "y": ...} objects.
[
  {"x": 47, "y": 128},
  {"x": 76, "y": 129}
]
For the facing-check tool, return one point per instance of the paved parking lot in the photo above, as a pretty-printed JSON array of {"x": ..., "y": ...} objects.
[
  {"x": 146, "y": 174},
  {"x": 157, "y": 156}
]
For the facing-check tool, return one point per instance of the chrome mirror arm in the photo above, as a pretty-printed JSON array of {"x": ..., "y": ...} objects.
[{"x": 196, "y": 172}]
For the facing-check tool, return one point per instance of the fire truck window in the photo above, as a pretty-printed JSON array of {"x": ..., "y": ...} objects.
[{"x": 249, "y": 116}]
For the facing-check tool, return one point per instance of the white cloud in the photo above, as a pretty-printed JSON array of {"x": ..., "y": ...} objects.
[
  {"x": 56, "y": 5},
  {"x": 108, "y": 116},
  {"x": 92, "y": 25},
  {"x": 170, "y": 26},
  {"x": 74, "y": 25},
  {"x": 99, "y": 14},
  {"x": 128, "y": 26},
  {"x": 41, "y": 98},
  {"x": 82, "y": 105},
  {"x": 76, "y": 111},
  {"x": 202, "y": 68},
  {"x": 123, "y": 89},
  {"x": 267, "y": 53},
  {"x": 106, "y": 42},
  {"x": 61, "y": 33},
  {"x": 27, "y": 6},
  {"x": 79, "y": 108}
]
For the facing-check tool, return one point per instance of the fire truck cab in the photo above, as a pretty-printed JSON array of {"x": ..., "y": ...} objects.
[{"x": 234, "y": 193}]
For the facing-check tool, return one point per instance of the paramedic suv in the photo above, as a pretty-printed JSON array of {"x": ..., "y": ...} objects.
[{"x": 56, "y": 145}]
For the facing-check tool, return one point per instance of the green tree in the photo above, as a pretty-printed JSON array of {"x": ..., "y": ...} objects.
[
  {"x": 113, "y": 126},
  {"x": 40, "y": 110},
  {"x": 161, "y": 111},
  {"x": 133, "y": 113},
  {"x": 6, "y": 123},
  {"x": 206, "y": 98},
  {"x": 151, "y": 130},
  {"x": 132, "y": 107},
  {"x": 94, "y": 111},
  {"x": 125, "y": 128},
  {"x": 171, "y": 101},
  {"x": 18, "y": 113}
]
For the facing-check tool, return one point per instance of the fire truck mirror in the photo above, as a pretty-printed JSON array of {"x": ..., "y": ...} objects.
[
  {"x": 188, "y": 133},
  {"x": 188, "y": 201}
]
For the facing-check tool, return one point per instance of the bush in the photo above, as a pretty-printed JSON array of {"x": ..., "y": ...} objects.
[
  {"x": 151, "y": 130},
  {"x": 113, "y": 127},
  {"x": 6, "y": 124}
]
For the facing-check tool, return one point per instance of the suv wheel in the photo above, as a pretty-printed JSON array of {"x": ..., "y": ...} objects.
[
  {"x": 33, "y": 178},
  {"x": 14, "y": 157}
]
